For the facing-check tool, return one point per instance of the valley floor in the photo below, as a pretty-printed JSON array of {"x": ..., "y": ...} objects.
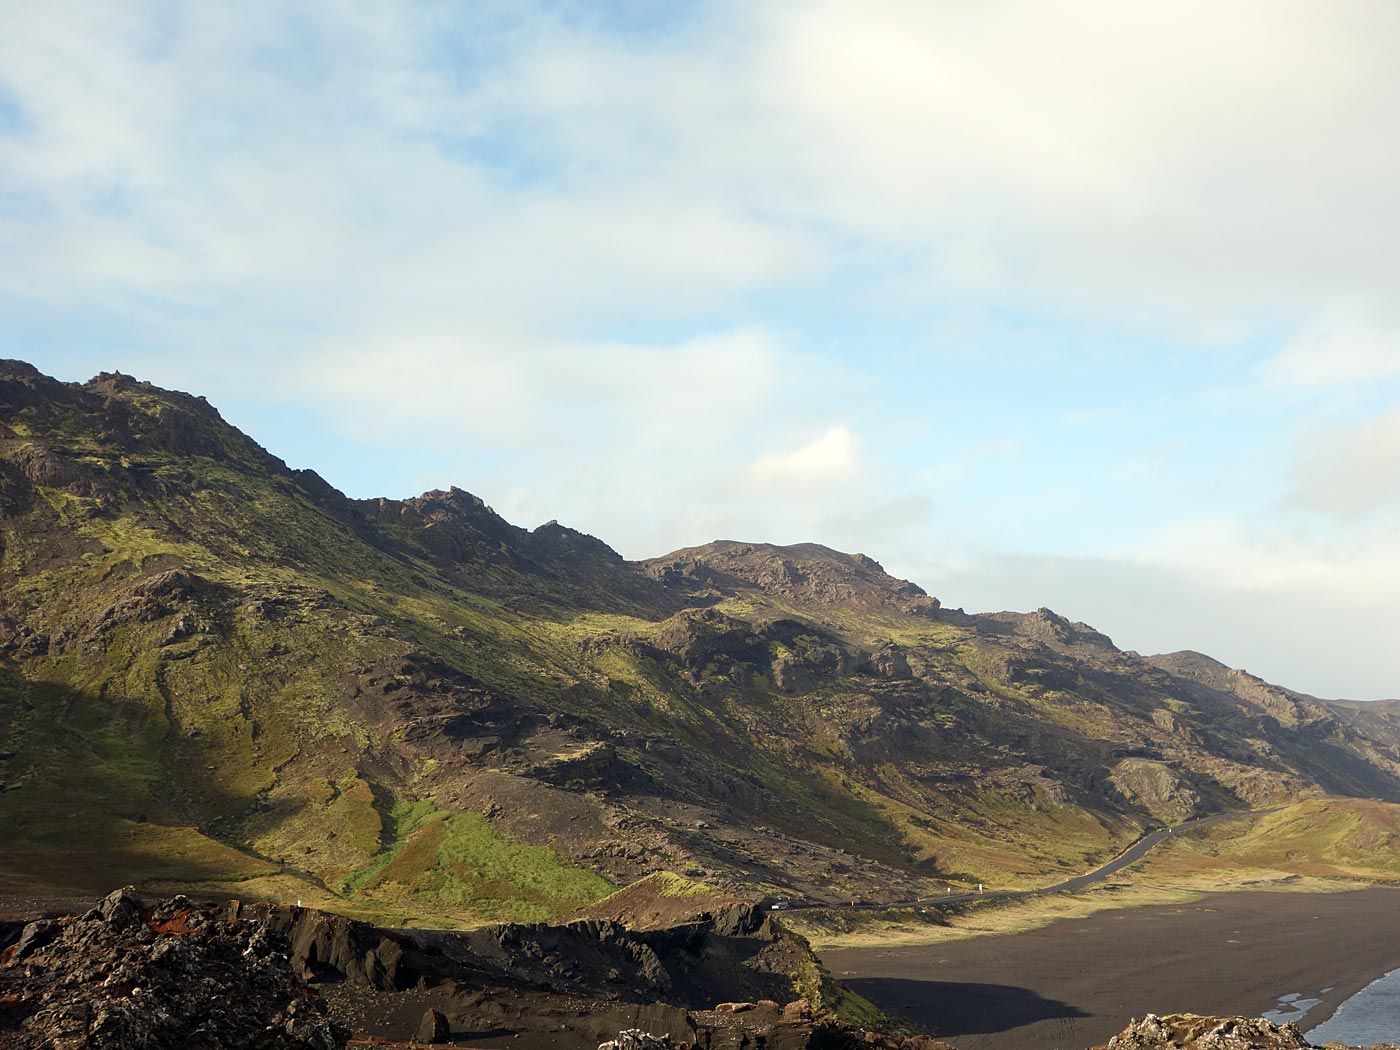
[{"x": 1077, "y": 982}]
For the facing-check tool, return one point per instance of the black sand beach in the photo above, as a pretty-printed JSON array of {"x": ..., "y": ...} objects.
[{"x": 1079, "y": 981}]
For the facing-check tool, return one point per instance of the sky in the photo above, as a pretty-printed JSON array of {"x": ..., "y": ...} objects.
[{"x": 1083, "y": 304}]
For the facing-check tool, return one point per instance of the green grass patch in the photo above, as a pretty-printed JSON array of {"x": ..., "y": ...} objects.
[
  {"x": 459, "y": 862},
  {"x": 1323, "y": 837}
]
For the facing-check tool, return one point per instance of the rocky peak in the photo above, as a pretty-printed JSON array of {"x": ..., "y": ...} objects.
[
  {"x": 452, "y": 506},
  {"x": 464, "y": 535},
  {"x": 22, "y": 386},
  {"x": 561, "y": 541},
  {"x": 1188, "y": 663},
  {"x": 13, "y": 368},
  {"x": 322, "y": 491},
  {"x": 114, "y": 383},
  {"x": 804, "y": 573},
  {"x": 123, "y": 415},
  {"x": 156, "y": 400},
  {"x": 1201, "y": 669},
  {"x": 1050, "y": 628},
  {"x": 452, "y": 525}
]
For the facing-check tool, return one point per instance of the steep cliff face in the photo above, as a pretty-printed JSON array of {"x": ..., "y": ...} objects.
[{"x": 216, "y": 669}]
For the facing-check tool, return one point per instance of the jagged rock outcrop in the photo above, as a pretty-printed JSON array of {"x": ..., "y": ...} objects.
[
  {"x": 1157, "y": 788},
  {"x": 804, "y": 572},
  {"x": 133, "y": 974},
  {"x": 1050, "y": 628},
  {"x": 636, "y": 1039},
  {"x": 433, "y": 1028},
  {"x": 691, "y": 965},
  {"x": 810, "y": 663},
  {"x": 889, "y": 661},
  {"x": 136, "y": 974},
  {"x": 1195, "y": 1032},
  {"x": 139, "y": 974},
  {"x": 779, "y": 1034}
]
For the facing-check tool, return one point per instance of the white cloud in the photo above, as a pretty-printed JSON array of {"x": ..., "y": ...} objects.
[
  {"x": 1243, "y": 556},
  {"x": 1178, "y": 158},
  {"x": 1349, "y": 472},
  {"x": 644, "y": 397},
  {"x": 826, "y": 460},
  {"x": 1341, "y": 349}
]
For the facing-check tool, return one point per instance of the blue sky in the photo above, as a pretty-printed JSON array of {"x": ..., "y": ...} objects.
[{"x": 1090, "y": 306}]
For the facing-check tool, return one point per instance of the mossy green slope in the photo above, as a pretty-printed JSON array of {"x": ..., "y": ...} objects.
[
  {"x": 1330, "y": 838},
  {"x": 218, "y": 671}
]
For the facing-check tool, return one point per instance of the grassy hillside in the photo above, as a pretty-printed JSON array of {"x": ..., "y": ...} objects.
[
  {"x": 1331, "y": 838},
  {"x": 219, "y": 672}
]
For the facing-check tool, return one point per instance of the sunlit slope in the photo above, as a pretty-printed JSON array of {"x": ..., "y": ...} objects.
[
  {"x": 218, "y": 671},
  {"x": 1330, "y": 838}
]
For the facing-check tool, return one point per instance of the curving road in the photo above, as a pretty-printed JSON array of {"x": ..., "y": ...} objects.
[{"x": 1131, "y": 855}]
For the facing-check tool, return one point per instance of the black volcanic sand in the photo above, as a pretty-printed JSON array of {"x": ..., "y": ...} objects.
[
  {"x": 1080, "y": 981},
  {"x": 23, "y": 908}
]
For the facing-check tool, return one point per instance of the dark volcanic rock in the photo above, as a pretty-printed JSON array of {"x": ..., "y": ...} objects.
[
  {"x": 889, "y": 661},
  {"x": 804, "y": 572},
  {"x": 35, "y": 936},
  {"x": 828, "y": 1035},
  {"x": 433, "y": 1028},
  {"x": 121, "y": 908},
  {"x": 597, "y": 977},
  {"x": 813, "y": 664},
  {"x": 135, "y": 975},
  {"x": 1192, "y": 1032},
  {"x": 324, "y": 945}
]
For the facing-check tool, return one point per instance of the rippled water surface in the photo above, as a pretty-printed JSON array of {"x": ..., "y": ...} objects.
[
  {"x": 1370, "y": 1016},
  {"x": 1290, "y": 1008}
]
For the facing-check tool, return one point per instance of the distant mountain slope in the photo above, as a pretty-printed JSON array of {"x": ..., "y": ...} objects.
[{"x": 216, "y": 669}]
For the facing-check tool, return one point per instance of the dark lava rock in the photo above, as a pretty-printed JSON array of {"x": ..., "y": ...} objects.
[
  {"x": 829, "y": 1035},
  {"x": 121, "y": 908},
  {"x": 1192, "y": 1032},
  {"x": 636, "y": 1039},
  {"x": 35, "y": 936},
  {"x": 133, "y": 974},
  {"x": 433, "y": 1028},
  {"x": 815, "y": 664},
  {"x": 138, "y": 975},
  {"x": 889, "y": 661}
]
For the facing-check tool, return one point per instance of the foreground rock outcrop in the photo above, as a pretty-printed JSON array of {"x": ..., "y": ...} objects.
[
  {"x": 830, "y": 1034},
  {"x": 136, "y": 975},
  {"x": 1171, "y": 1032},
  {"x": 1194, "y": 1032}
]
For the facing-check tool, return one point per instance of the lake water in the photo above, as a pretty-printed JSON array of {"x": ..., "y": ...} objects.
[
  {"x": 1370, "y": 1016},
  {"x": 1292, "y": 1007}
]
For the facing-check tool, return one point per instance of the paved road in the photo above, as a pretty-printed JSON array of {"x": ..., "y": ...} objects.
[{"x": 1131, "y": 855}]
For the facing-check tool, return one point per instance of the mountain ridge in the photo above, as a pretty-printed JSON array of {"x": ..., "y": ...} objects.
[{"x": 220, "y": 669}]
